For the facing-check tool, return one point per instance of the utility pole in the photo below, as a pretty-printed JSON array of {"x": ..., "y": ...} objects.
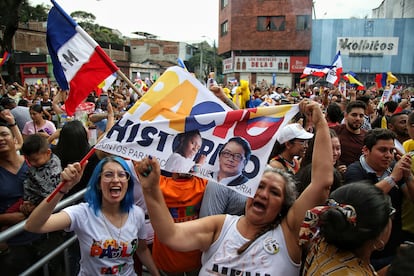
[
  {"x": 201, "y": 62},
  {"x": 214, "y": 58}
]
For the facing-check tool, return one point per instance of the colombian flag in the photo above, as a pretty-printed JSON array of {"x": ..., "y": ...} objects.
[
  {"x": 384, "y": 79},
  {"x": 351, "y": 78}
]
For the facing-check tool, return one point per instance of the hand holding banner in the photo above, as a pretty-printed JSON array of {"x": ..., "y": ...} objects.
[{"x": 178, "y": 103}]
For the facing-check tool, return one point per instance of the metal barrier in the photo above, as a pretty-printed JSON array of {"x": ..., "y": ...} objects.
[{"x": 19, "y": 227}]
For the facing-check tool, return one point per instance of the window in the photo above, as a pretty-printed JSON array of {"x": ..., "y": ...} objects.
[
  {"x": 224, "y": 28},
  {"x": 224, "y": 3},
  {"x": 303, "y": 22},
  {"x": 271, "y": 23}
]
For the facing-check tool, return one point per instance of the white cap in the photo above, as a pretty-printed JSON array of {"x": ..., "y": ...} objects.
[{"x": 292, "y": 131}]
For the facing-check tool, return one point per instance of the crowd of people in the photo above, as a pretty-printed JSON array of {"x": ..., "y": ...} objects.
[{"x": 336, "y": 197}]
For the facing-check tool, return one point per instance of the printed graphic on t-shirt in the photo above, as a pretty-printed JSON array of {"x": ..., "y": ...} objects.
[{"x": 113, "y": 249}]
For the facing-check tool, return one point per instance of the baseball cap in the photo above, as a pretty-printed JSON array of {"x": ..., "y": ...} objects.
[{"x": 293, "y": 131}]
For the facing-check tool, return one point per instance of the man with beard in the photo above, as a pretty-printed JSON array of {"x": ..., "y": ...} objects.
[
  {"x": 377, "y": 165},
  {"x": 350, "y": 134},
  {"x": 398, "y": 125}
]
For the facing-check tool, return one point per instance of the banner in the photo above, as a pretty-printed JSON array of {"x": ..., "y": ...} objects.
[
  {"x": 178, "y": 105},
  {"x": 386, "y": 95}
]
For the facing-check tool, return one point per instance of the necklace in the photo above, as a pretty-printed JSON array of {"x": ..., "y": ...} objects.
[
  {"x": 292, "y": 164},
  {"x": 109, "y": 231}
]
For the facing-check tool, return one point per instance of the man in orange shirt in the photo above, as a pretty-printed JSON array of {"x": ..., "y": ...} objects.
[{"x": 183, "y": 194}]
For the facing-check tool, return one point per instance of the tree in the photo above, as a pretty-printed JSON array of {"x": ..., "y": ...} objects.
[
  {"x": 87, "y": 22},
  {"x": 11, "y": 13},
  {"x": 9, "y": 21},
  {"x": 210, "y": 60}
]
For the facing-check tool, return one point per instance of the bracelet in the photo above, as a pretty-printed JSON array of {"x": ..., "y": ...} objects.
[
  {"x": 62, "y": 192},
  {"x": 390, "y": 181},
  {"x": 12, "y": 125}
]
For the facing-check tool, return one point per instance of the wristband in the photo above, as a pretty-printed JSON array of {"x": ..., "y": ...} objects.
[
  {"x": 12, "y": 125},
  {"x": 390, "y": 181},
  {"x": 62, "y": 192}
]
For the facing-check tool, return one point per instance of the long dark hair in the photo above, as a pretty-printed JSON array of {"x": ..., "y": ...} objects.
[
  {"x": 372, "y": 208},
  {"x": 73, "y": 143}
]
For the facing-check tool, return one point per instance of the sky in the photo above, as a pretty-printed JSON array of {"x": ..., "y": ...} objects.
[{"x": 189, "y": 21}]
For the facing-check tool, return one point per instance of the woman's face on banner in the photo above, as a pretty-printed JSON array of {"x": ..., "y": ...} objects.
[{"x": 193, "y": 146}]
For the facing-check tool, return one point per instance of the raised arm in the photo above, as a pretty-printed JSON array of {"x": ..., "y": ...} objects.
[
  {"x": 322, "y": 169},
  {"x": 55, "y": 102},
  {"x": 218, "y": 91},
  {"x": 11, "y": 121},
  {"x": 185, "y": 236}
]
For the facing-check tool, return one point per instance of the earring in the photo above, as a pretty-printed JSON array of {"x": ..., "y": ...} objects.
[{"x": 382, "y": 245}]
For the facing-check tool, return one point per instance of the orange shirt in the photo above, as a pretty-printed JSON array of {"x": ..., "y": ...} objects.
[{"x": 183, "y": 198}]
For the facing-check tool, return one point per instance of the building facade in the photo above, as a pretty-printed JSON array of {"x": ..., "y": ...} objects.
[
  {"x": 368, "y": 46},
  {"x": 266, "y": 40},
  {"x": 394, "y": 9},
  {"x": 146, "y": 58}
]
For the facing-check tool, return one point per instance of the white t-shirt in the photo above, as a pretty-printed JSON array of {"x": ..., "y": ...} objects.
[
  {"x": 268, "y": 255},
  {"x": 102, "y": 252}
]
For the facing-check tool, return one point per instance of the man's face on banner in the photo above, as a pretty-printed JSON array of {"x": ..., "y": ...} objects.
[{"x": 232, "y": 159}]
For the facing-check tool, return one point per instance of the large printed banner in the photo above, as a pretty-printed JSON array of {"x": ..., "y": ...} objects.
[{"x": 182, "y": 124}]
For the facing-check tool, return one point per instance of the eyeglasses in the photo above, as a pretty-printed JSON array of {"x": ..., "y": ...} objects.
[
  {"x": 109, "y": 176},
  {"x": 301, "y": 142},
  {"x": 236, "y": 156}
]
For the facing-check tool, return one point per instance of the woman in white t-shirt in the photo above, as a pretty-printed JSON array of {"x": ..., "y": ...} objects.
[
  {"x": 109, "y": 226},
  {"x": 38, "y": 124}
]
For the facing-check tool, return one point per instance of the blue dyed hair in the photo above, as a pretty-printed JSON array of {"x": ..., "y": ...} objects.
[{"x": 93, "y": 193}]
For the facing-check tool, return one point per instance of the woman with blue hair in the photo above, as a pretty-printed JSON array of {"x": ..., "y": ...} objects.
[{"x": 109, "y": 226}]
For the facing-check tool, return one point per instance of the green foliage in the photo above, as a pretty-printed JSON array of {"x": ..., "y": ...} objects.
[
  {"x": 83, "y": 17},
  {"x": 211, "y": 60},
  {"x": 99, "y": 33},
  {"x": 29, "y": 13}
]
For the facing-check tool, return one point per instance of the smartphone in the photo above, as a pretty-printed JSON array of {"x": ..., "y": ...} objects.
[{"x": 104, "y": 101}]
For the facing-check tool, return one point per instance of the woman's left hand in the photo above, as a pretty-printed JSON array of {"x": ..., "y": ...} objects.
[{"x": 148, "y": 171}]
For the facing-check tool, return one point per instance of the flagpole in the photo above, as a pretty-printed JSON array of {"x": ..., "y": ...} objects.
[
  {"x": 122, "y": 75},
  {"x": 61, "y": 184}
]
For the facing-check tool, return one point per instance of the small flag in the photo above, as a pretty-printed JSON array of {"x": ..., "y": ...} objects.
[
  {"x": 334, "y": 75},
  {"x": 351, "y": 78},
  {"x": 80, "y": 65},
  {"x": 5, "y": 58},
  {"x": 384, "y": 79},
  {"x": 180, "y": 63},
  {"x": 316, "y": 70},
  {"x": 391, "y": 79}
]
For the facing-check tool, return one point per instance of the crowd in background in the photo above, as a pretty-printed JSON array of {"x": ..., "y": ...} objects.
[{"x": 369, "y": 141}]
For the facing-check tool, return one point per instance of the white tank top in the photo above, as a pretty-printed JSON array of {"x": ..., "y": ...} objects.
[{"x": 267, "y": 255}]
